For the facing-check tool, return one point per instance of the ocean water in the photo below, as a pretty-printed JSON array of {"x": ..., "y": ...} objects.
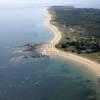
[{"x": 49, "y": 78}]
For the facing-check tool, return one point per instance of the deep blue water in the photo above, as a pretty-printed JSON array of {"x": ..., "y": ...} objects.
[{"x": 37, "y": 79}]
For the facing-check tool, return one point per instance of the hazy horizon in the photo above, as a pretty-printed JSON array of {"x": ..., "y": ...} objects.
[{"x": 24, "y": 3}]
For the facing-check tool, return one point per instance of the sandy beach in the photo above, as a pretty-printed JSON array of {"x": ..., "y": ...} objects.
[{"x": 52, "y": 50}]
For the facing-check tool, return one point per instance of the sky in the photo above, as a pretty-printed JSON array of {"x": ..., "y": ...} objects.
[
  {"x": 31, "y": 1},
  {"x": 90, "y": 3}
]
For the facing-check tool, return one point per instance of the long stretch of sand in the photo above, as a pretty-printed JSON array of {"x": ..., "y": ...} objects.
[{"x": 52, "y": 50}]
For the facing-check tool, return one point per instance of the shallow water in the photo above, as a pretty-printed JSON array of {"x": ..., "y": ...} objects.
[{"x": 37, "y": 79}]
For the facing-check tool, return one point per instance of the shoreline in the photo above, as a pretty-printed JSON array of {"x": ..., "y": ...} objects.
[{"x": 52, "y": 50}]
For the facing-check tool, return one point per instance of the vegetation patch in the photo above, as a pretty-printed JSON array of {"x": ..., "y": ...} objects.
[{"x": 80, "y": 29}]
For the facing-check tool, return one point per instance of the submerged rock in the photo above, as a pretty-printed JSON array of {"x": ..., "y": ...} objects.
[
  {"x": 91, "y": 98},
  {"x": 31, "y": 50},
  {"x": 36, "y": 83}
]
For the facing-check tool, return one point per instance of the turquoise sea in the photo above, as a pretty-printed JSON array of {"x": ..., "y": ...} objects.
[{"x": 50, "y": 78}]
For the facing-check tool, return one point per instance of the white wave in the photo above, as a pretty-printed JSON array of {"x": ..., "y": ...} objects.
[
  {"x": 17, "y": 51},
  {"x": 17, "y": 59}
]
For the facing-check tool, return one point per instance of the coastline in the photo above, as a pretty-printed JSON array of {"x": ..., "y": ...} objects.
[{"x": 52, "y": 50}]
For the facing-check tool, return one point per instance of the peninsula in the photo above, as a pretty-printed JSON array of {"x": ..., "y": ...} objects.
[{"x": 66, "y": 34}]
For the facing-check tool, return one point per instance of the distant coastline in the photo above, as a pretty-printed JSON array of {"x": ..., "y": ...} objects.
[{"x": 52, "y": 50}]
